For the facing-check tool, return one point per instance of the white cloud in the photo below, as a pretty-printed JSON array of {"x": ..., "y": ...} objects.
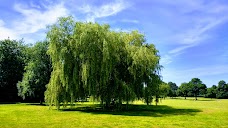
[
  {"x": 6, "y": 32},
  {"x": 35, "y": 5},
  {"x": 122, "y": 30},
  {"x": 197, "y": 35},
  {"x": 166, "y": 59},
  {"x": 2, "y": 22},
  {"x": 198, "y": 20},
  {"x": 35, "y": 20},
  {"x": 130, "y": 21},
  {"x": 32, "y": 20},
  {"x": 180, "y": 49},
  {"x": 105, "y": 10}
]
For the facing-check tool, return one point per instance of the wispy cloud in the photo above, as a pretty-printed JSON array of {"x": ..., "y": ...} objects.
[
  {"x": 130, "y": 21},
  {"x": 180, "y": 49},
  {"x": 6, "y": 32},
  {"x": 105, "y": 10},
  {"x": 196, "y": 23},
  {"x": 32, "y": 19},
  {"x": 195, "y": 36},
  {"x": 122, "y": 30},
  {"x": 166, "y": 59}
]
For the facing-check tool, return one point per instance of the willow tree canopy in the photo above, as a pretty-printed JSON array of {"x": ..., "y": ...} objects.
[{"x": 89, "y": 59}]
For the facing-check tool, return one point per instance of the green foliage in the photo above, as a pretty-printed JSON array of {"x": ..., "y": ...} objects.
[
  {"x": 164, "y": 89},
  {"x": 211, "y": 92},
  {"x": 173, "y": 89},
  {"x": 222, "y": 90},
  {"x": 151, "y": 88},
  {"x": 197, "y": 87},
  {"x": 91, "y": 60},
  {"x": 37, "y": 73},
  {"x": 184, "y": 89},
  {"x": 203, "y": 90},
  {"x": 11, "y": 68}
]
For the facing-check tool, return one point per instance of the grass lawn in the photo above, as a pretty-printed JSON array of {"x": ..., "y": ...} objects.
[{"x": 170, "y": 113}]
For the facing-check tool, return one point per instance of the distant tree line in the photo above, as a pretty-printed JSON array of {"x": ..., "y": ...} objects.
[{"x": 194, "y": 88}]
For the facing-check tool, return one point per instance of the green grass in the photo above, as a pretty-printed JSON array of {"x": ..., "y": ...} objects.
[{"x": 170, "y": 113}]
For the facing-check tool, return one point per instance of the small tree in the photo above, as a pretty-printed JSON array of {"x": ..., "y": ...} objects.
[
  {"x": 211, "y": 92},
  {"x": 173, "y": 89},
  {"x": 202, "y": 89},
  {"x": 37, "y": 73},
  {"x": 195, "y": 85},
  {"x": 222, "y": 90},
  {"x": 184, "y": 89},
  {"x": 164, "y": 89}
]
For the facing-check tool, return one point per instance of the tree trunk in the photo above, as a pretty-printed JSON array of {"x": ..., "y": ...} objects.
[
  {"x": 41, "y": 102},
  {"x": 107, "y": 103},
  {"x": 127, "y": 105},
  {"x": 156, "y": 100},
  {"x": 120, "y": 104}
]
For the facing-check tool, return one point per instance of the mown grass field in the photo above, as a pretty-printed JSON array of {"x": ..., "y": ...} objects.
[{"x": 170, "y": 113}]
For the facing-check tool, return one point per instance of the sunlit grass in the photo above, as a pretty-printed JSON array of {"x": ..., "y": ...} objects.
[{"x": 170, "y": 113}]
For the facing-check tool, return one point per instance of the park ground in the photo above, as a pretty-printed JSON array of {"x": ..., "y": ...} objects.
[{"x": 170, "y": 113}]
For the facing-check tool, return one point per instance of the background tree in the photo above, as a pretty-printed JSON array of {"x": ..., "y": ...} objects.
[
  {"x": 211, "y": 92},
  {"x": 37, "y": 74},
  {"x": 164, "y": 89},
  {"x": 184, "y": 89},
  {"x": 91, "y": 60},
  {"x": 173, "y": 89},
  {"x": 202, "y": 90},
  {"x": 222, "y": 90},
  {"x": 196, "y": 85},
  {"x": 11, "y": 68}
]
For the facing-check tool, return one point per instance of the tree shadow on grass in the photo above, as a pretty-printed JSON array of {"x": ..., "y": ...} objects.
[
  {"x": 44, "y": 104},
  {"x": 138, "y": 110},
  {"x": 2, "y": 103}
]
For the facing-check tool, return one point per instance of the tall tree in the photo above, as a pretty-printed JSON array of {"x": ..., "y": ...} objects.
[
  {"x": 195, "y": 85},
  {"x": 37, "y": 73},
  {"x": 91, "y": 60},
  {"x": 184, "y": 89},
  {"x": 11, "y": 68}
]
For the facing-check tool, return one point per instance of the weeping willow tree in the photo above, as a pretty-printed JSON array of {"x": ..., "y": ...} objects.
[{"x": 91, "y": 60}]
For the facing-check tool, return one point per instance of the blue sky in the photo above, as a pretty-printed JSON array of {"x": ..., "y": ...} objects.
[{"x": 191, "y": 35}]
